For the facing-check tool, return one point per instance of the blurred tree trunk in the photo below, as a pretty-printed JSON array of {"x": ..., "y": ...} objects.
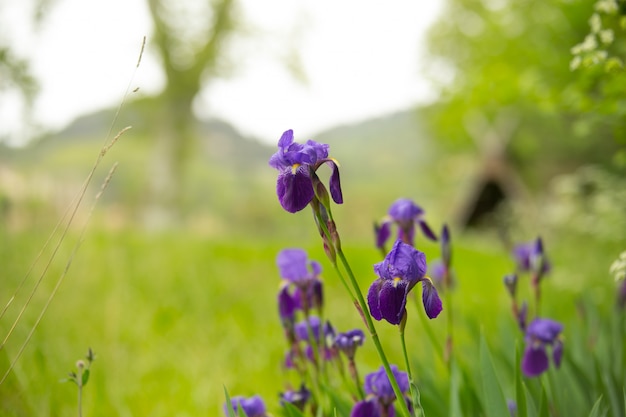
[{"x": 187, "y": 59}]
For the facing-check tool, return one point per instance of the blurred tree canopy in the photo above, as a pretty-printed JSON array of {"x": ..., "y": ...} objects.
[
  {"x": 190, "y": 38},
  {"x": 15, "y": 75},
  {"x": 510, "y": 66}
]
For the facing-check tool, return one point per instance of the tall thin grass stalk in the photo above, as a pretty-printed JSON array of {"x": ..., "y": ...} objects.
[
  {"x": 72, "y": 210},
  {"x": 61, "y": 277}
]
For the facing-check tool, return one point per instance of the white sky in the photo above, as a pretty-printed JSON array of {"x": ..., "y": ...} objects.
[{"x": 361, "y": 59}]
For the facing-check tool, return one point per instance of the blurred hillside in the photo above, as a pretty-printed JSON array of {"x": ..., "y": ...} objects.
[{"x": 230, "y": 187}]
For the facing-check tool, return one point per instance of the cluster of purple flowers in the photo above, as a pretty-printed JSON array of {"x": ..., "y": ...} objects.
[
  {"x": 540, "y": 334},
  {"x": 310, "y": 339},
  {"x": 313, "y": 343},
  {"x": 380, "y": 396}
]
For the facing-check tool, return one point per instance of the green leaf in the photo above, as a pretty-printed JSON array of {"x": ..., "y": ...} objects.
[
  {"x": 495, "y": 403},
  {"x": 339, "y": 403},
  {"x": 584, "y": 383},
  {"x": 229, "y": 408},
  {"x": 595, "y": 411},
  {"x": 292, "y": 411},
  {"x": 85, "y": 377},
  {"x": 520, "y": 389},
  {"x": 544, "y": 410},
  {"x": 530, "y": 403},
  {"x": 415, "y": 399},
  {"x": 455, "y": 403}
]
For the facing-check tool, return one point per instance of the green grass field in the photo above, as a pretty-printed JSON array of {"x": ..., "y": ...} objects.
[{"x": 175, "y": 317}]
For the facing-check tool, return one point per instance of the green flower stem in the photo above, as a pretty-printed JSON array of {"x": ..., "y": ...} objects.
[
  {"x": 372, "y": 330},
  {"x": 359, "y": 301},
  {"x": 79, "y": 383},
  {"x": 430, "y": 333},
  {"x": 415, "y": 395},
  {"x": 450, "y": 322}
]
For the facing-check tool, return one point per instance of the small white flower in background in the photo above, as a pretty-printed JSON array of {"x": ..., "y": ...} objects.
[
  {"x": 607, "y": 6},
  {"x": 618, "y": 267}
]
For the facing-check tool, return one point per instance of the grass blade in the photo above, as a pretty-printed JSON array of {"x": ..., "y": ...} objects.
[{"x": 495, "y": 403}]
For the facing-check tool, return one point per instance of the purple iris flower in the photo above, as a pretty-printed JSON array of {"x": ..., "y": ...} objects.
[
  {"x": 295, "y": 162},
  {"x": 323, "y": 335},
  {"x": 398, "y": 273},
  {"x": 297, "y": 398},
  {"x": 380, "y": 395},
  {"x": 530, "y": 257},
  {"x": 347, "y": 342},
  {"x": 326, "y": 330},
  {"x": 377, "y": 384},
  {"x": 295, "y": 267},
  {"x": 251, "y": 407},
  {"x": 405, "y": 213},
  {"x": 302, "y": 287},
  {"x": 540, "y": 334}
]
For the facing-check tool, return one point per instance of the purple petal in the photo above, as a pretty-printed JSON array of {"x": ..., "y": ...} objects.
[
  {"x": 404, "y": 210},
  {"x": 251, "y": 407},
  {"x": 279, "y": 160},
  {"x": 521, "y": 254},
  {"x": 319, "y": 150},
  {"x": 402, "y": 261},
  {"x": 372, "y": 299},
  {"x": 427, "y": 231},
  {"x": 383, "y": 231},
  {"x": 367, "y": 408},
  {"x": 431, "y": 300},
  {"x": 292, "y": 264},
  {"x": 545, "y": 330},
  {"x": 335, "y": 184},
  {"x": 377, "y": 384},
  {"x": 294, "y": 190},
  {"x": 286, "y": 139},
  {"x": 350, "y": 339},
  {"x": 316, "y": 267},
  {"x": 392, "y": 300},
  {"x": 286, "y": 305},
  {"x": 535, "y": 361}
]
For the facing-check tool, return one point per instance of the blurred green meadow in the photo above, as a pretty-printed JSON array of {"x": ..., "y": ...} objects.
[{"x": 176, "y": 315}]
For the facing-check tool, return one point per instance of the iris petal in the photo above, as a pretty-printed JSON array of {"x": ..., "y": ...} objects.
[
  {"x": 335, "y": 184},
  {"x": 535, "y": 361},
  {"x": 427, "y": 230},
  {"x": 294, "y": 191},
  {"x": 383, "y": 231},
  {"x": 373, "y": 298},
  {"x": 367, "y": 408},
  {"x": 392, "y": 300},
  {"x": 431, "y": 300}
]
